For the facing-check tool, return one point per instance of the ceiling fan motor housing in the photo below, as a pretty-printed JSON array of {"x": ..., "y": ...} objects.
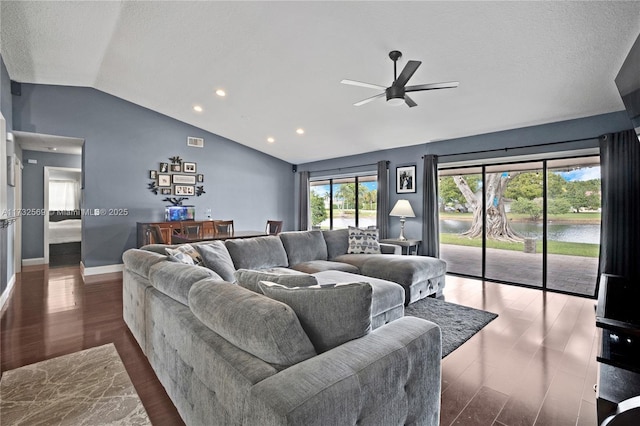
[{"x": 395, "y": 92}]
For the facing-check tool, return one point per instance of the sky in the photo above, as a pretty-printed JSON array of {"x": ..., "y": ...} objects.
[{"x": 582, "y": 174}]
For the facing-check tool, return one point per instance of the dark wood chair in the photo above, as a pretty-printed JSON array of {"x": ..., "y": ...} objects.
[
  {"x": 191, "y": 229},
  {"x": 156, "y": 235},
  {"x": 223, "y": 227},
  {"x": 274, "y": 227}
]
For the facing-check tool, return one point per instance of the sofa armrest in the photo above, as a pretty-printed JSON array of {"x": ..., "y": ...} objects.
[
  {"x": 389, "y": 376},
  {"x": 386, "y": 248}
]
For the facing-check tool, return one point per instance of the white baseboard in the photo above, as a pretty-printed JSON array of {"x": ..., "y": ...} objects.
[
  {"x": 7, "y": 292},
  {"x": 34, "y": 261},
  {"x": 100, "y": 273}
]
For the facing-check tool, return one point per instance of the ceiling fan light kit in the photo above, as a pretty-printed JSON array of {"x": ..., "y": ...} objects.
[{"x": 396, "y": 94}]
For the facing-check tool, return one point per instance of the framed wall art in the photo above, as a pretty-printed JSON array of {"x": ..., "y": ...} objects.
[
  {"x": 405, "y": 179},
  {"x": 164, "y": 180},
  {"x": 184, "y": 190},
  {"x": 188, "y": 167},
  {"x": 184, "y": 179}
]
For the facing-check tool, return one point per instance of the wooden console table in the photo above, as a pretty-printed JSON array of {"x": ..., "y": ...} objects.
[{"x": 168, "y": 230}]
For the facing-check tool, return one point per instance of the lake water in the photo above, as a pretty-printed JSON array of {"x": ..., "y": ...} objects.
[{"x": 574, "y": 233}]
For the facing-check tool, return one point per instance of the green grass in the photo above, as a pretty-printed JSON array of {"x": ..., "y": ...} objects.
[
  {"x": 588, "y": 217},
  {"x": 553, "y": 247}
]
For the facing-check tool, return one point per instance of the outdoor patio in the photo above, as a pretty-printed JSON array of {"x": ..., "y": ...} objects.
[{"x": 575, "y": 274}]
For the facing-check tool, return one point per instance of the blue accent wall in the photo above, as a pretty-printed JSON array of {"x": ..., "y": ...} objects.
[
  {"x": 33, "y": 197},
  {"x": 528, "y": 140},
  {"x": 123, "y": 141}
]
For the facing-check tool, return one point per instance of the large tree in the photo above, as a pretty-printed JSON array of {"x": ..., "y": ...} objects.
[{"x": 498, "y": 226}]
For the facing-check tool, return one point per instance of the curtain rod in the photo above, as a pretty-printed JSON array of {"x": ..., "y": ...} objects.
[
  {"x": 345, "y": 168},
  {"x": 518, "y": 147}
]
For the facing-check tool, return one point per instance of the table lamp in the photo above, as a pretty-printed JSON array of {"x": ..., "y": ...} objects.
[{"x": 402, "y": 209}]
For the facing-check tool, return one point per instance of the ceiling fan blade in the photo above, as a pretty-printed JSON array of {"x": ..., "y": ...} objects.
[
  {"x": 406, "y": 73},
  {"x": 366, "y": 101},
  {"x": 432, "y": 86},
  {"x": 409, "y": 101},
  {"x": 361, "y": 84}
]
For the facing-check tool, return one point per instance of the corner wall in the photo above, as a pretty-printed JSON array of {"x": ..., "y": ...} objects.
[
  {"x": 123, "y": 141},
  {"x": 528, "y": 140}
]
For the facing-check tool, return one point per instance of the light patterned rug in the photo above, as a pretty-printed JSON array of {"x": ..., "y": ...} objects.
[{"x": 90, "y": 387}]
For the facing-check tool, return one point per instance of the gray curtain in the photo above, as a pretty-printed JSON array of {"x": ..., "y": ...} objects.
[
  {"x": 382, "y": 212},
  {"x": 430, "y": 219},
  {"x": 303, "y": 209},
  {"x": 620, "y": 229}
]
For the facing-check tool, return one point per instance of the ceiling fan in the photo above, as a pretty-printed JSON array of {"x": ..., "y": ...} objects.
[{"x": 397, "y": 92}]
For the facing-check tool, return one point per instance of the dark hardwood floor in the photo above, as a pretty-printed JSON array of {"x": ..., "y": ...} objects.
[
  {"x": 52, "y": 312},
  {"x": 533, "y": 365}
]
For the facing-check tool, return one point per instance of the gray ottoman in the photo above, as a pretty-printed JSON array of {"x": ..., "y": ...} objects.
[{"x": 387, "y": 301}]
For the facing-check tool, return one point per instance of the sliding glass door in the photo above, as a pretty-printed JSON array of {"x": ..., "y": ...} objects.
[{"x": 535, "y": 224}]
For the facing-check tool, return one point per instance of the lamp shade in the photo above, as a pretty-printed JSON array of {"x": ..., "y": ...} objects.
[{"x": 402, "y": 209}]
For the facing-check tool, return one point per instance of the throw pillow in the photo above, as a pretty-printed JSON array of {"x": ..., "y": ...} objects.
[
  {"x": 250, "y": 279},
  {"x": 215, "y": 256},
  {"x": 330, "y": 316},
  {"x": 184, "y": 254},
  {"x": 363, "y": 241}
]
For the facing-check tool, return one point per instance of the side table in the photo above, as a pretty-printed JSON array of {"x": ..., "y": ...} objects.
[{"x": 409, "y": 247}]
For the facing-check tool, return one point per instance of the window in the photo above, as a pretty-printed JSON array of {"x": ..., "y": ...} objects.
[
  {"x": 335, "y": 203},
  {"x": 64, "y": 195}
]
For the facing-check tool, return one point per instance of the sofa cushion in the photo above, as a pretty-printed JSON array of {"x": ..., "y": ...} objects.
[
  {"x": 250, "y": 279},
  {"x": 216, "y": 257},
  {"x": 140, "y": 261},
  {"x": 185, "y": 253},
  {"x": 337, "y": 241},
  {"x": 324, "y": 265},
  {"x": 175, "y": 279},
  {"x": 263, "y": 327},
  {"x": 330, "y": 316},
  {"x": 363, "y": 241},
  {"x": 257, "y": 253},
  {"x": 304, "y": 246}
]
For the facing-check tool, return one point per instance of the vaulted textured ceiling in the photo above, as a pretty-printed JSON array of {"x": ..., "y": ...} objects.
[{"x": 518, "y": 63}]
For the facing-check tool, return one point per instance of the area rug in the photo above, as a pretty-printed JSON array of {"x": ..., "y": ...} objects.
[
  {"x": 458, "y": 323},
  {"x": 90, "y": 387}
]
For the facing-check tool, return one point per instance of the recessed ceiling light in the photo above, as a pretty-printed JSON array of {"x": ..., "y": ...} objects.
[
  {"x": 221, "y": 92},
  {"x": 197, "y": 108},
  {"x": 300, "y": 131},
  {"x": 52, "y": 148},
  {"x": 270, "y": 140}
]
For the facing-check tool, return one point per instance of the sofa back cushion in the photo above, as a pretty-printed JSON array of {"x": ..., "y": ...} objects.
[
  {"x": 263, "y": 327},
  {"x": 175, "y": 279},
  {"x": 337, "y": 242},
  {"x": 304, "y": 246},
  {"x": 330, "y": 316},
  {"x": 257, "y": 253},
  {"x": 216, "y": 257},
  {"x": 250, "y": 279},
  {"x": 140, "y": 261}
]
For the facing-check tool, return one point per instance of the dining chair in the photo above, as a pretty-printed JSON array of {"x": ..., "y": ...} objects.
[
  {"x": 223, "y": 226},
  {"x": 191, "y": 229},
  {"x": 156, "y": 233},
  {"x": 274, "y": 227}
]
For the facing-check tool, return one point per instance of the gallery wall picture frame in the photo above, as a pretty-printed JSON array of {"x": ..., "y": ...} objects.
[
  {"x": 200, "y": 178},
  {"x": 184, "y": 179},
  {"x": 188, "y": 167},
  {"x": 153, "y": 174},
  {"x": 165, "y": 191},
  {"x": 405, "y": 179},
  {"x": 164, "y": 180},
  {"x": 184, "y": 190},
  {"x": 164, "y": 167},
  {"x": 176, "y": 168}
]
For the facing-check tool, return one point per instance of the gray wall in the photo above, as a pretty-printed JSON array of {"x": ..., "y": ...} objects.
[
  {"x": 33, "y": 197},
  {"x": 123, "y": 141},
  {"x": 583, "y": 131}
]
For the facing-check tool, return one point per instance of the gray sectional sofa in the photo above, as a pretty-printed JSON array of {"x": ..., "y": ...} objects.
[{"x": 227, "y": 354}]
